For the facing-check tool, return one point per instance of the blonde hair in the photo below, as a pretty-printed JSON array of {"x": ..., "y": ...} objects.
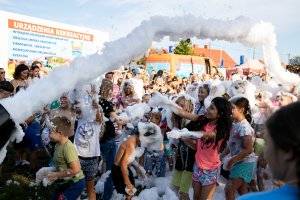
[{"x": 188, "y": 107}]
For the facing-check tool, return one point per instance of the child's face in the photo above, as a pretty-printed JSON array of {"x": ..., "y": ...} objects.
[
  {"x": 181, "y": 103},
  {"x": 202, "y": 94},
  {"x": 55, "y": 136},
  {"x": 212, "y": 112},
  {"x": 154, "y": 120},
  {"x": 285, "y": 100},
  {"x": 147, "y": 99},
  {"x": 236, "y": 111}
]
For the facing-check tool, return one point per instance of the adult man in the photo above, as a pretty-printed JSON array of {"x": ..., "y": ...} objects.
[
  {"x": 2, "y": 75},
  {"x": 6, "y": 89}
]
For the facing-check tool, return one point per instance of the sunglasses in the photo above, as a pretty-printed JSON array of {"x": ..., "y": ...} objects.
[{"x": 2, "y": 72}]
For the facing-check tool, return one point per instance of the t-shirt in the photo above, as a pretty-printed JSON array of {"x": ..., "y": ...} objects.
[
  {"x": 65, "y": 154},
  {"x": 109, "y": 132},
  {"x": 199, "y": 109},
  {"x": 286, "y": 192},
  {"x": 207, "y": 157},
  {"x": 235, "y": 143},
  {"x": 86, "y": 138}
]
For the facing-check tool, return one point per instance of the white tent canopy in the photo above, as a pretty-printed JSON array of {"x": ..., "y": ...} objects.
[{"x": 252, "y": 64}]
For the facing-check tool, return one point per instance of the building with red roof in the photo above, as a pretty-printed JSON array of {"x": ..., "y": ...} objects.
[{"x": 216, "y": 55}]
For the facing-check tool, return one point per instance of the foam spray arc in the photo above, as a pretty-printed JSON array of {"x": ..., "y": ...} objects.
[{"x": 121, "y": 51}]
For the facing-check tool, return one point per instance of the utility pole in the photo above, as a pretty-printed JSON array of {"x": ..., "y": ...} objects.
[
  {"x": 253, "y": 53},
  {"x": 209, "y": 50}
]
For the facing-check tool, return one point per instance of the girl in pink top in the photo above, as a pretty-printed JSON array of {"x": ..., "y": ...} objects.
[{"x": 216, "y": 130}]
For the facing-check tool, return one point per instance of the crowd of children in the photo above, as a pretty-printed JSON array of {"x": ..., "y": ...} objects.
[{"x": 87, "y": 128}]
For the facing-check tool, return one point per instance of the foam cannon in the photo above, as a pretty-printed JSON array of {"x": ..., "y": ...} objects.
[{"x": 7, "y": 126}]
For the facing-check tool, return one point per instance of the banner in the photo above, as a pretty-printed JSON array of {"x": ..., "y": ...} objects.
[{"x": 28, "y": 41}]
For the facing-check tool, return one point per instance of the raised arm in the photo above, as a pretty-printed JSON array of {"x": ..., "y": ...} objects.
[{"x": 191, "y": 116}]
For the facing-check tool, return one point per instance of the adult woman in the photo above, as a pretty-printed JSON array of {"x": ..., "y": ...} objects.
[
  {"x": 20, "y": 77},
  {"x": 34, "y": 72},
  {"x": 129, "y": 96}
]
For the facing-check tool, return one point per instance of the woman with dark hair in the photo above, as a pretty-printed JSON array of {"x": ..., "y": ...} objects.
[
  {"x": 34, "y": 72},
  {"x": 282, "y": 153},
  {"x": 20, "y": 77}
]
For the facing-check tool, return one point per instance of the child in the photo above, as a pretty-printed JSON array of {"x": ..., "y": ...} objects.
[
  {"x": 216, "y": 129},
  {"x": 203, "y": 92},
  {"x": 148, "y": 136},
  {"x": 155, "y": 161},
  {"x": 243, "y": 160},
  {"x": 146, "y": 98},
  {"x": 69, "y": 176},
  {"x": 87, "y": 144},
  {"x": 185, "y": 158},
  {"x": 282, "y": 153}
]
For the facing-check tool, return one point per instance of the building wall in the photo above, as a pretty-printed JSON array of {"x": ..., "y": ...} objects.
[{"x": 179, "y": 65}]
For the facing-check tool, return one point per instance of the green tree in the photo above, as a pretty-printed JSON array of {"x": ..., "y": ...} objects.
[
  {"x": 295, "y": 61},
  {"x": 142, "y": 61},
  {"x": 184, "y": 48}
]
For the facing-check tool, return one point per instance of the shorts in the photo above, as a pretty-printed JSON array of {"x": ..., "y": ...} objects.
[
  {"x": 118, "y": 180},
  {"x": 89, "y": 166},
  {"x": 68, "y": 190},
  {"x": 258, "y": 146},
  {"x": 168, "y": 149},
  {"x": 244, "y": 171},
  {"x": 155, "y": 163},
  {"x": 182, "y": 180},
  {"x": 205, "y": 177}
]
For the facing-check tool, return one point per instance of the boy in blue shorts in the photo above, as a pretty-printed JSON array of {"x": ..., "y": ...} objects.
[{"x": 69, "y": 176}]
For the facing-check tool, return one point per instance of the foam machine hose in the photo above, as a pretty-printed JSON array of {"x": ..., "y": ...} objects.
[{"x": 7, "y": 126}]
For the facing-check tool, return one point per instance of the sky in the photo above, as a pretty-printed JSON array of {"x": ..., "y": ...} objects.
[{"x": 119, "y": 17}]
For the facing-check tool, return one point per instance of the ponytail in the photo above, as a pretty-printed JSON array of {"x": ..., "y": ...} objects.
[{"x": 242, "y": 102}]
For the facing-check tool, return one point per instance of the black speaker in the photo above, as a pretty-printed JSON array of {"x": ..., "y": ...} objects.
[{"x": 7, "y": 126}]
